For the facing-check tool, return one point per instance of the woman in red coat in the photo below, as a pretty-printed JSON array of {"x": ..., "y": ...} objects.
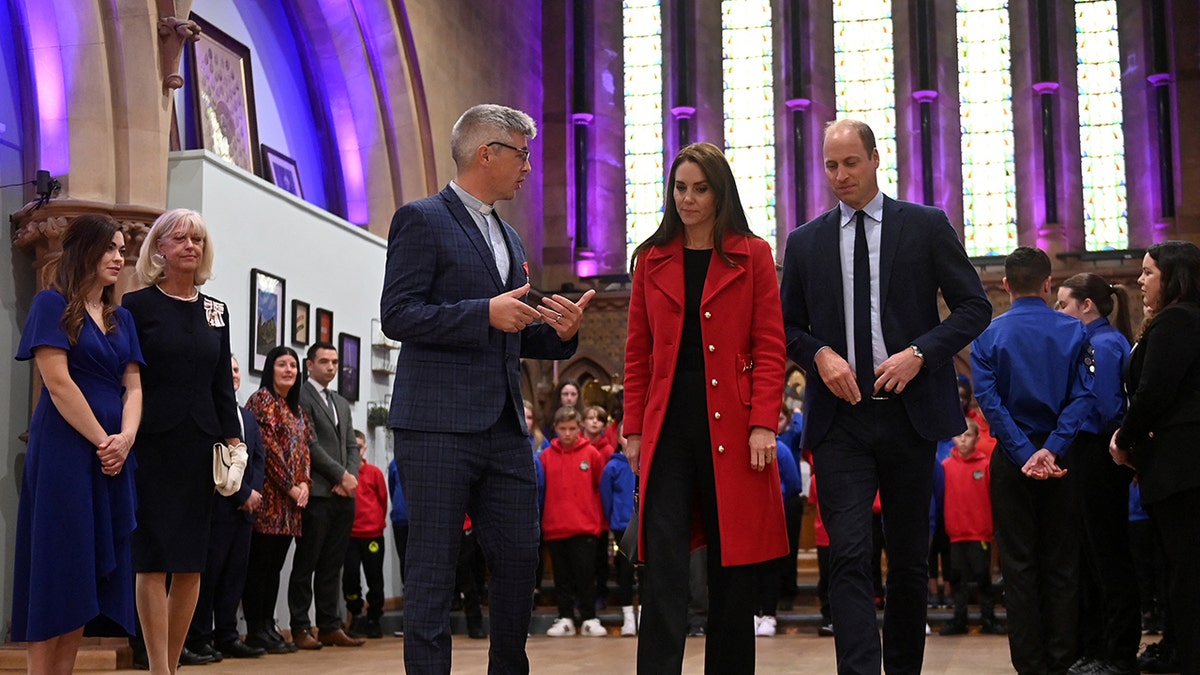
[{"x": 705, "y": 343}]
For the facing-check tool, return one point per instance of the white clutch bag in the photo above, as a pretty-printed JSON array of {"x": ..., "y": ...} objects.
[{"x": 229, "y": 464}]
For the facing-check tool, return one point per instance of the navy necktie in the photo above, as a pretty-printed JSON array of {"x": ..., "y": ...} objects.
[{"x": 864, "y": 364}]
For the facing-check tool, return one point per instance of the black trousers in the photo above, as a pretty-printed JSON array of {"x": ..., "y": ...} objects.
[
  {"x": 823, "y": 584},
  {"x": 873, "y": 447},
  {"x": 223, "y": 580},
  {"x": 1110, "y": 622},
  {"x": 972, "y": 563},
  {"x": 365, "y": 553},
  {"x": 317, "y": 564},
  {"x": 681, "y": 480},
  {"x": 267, "y": 555},
  {"x": 1037, "y": 531},
  {"x": 1175, "y": 518},
  {"x": 793, "y": 511},
  {"x": 574, "y": 561}
]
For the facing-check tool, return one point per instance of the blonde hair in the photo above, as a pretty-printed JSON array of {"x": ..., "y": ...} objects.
[{"x": 151, "y": 270}]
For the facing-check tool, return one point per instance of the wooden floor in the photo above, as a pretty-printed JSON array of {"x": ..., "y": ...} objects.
[{"x": 793, "y": 653}]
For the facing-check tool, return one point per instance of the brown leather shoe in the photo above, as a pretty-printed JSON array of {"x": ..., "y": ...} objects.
[
  {"x": 304, "y": 639},
  {"x": 339, "y": 638}
]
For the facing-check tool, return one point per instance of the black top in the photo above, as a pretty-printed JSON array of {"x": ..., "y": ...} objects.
[{"x": 691, "y": 342}]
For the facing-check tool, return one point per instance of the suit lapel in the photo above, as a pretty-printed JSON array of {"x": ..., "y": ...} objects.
[
  {"x": 889, "y": 240},
  {"x": 467, "y": 223},
  {"x": 827, "y": 242},
  {"x": 320, "y": 399}
]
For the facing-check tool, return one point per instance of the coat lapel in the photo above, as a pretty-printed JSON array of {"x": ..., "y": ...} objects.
[
  {"x": 321, "y": 405},
  {"x": 721, "y": 275},
  {"x": 664, "y": 269},
  {"x": 467, "y": 223},
  {"x": 827, "y": 245}
]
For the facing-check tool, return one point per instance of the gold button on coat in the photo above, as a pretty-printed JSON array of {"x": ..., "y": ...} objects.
[
  {"x": 714, "y": 383},
  {"x": 721, "y": 448},
  {"x": 716, "y": 415}
]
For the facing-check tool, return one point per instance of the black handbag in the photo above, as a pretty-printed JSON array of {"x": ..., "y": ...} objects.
[{"x": 628, "y": 546}]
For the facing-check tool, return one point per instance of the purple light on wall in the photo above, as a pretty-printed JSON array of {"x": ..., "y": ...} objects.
[
  {"x": 341, "y": 22},
  {"x": 49, "y": 84}
]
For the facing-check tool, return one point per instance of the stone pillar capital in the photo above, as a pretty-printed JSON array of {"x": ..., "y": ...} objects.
[{"x": 39, "y": 230}]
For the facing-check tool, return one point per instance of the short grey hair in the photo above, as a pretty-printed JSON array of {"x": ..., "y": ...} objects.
[
  {"x": 480, "y": 125},
  {"x": 151, "y": 270}
]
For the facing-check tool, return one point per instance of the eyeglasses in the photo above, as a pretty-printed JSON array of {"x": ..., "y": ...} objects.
[{"x": 522, "y": 153}]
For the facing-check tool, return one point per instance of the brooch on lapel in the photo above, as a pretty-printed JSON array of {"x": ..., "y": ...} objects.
[{"x": 213, "y": 311}]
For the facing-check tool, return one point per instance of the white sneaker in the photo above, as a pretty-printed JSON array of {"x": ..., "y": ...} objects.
[
  {"x": 928, "y": 630},
  {"x": 766, "y": 626},
  {"x": 562, "y": 627},
  {"x": 757, "y": 622},
  {"x": 629, "y": 626},
  {"x": 592, "y": 628}
]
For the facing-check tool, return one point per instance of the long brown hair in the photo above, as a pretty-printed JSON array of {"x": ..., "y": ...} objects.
[
  {"x": 731, "y": 217},
  {"x": 1088, "y": 286},
  {"x": 83, "y": 245}
]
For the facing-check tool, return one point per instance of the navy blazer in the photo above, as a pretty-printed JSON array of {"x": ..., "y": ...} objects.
[
  {"x": 454, "y": 371},
  {"x": 920, "y": 254},
  {"x": 227, "y": 508}
]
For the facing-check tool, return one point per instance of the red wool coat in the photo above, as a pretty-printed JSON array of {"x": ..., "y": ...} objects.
[{"x": 742, "y": 329}]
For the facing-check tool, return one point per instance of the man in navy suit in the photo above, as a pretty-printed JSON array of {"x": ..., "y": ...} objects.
[
  {"x": 452, "y": 294},
  {"x": 860, "y": 307}
]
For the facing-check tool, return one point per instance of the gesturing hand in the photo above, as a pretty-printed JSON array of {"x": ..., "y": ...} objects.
[
  {"x": 563, "y": 315},
  {"x": 508, "y": 313}
]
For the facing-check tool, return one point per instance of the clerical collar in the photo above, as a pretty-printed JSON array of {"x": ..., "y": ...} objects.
[{"x": 471, "y": 201}]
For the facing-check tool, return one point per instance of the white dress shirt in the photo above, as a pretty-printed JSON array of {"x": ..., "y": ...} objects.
[
  {"x": 488, "y": 226},
  {"x": 873, "y": 224}
]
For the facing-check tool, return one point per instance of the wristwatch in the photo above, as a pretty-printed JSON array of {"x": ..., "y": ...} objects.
[{"x": 917, "y": 352}]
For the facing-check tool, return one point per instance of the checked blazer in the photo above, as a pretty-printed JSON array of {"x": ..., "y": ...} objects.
[{"x": 454, "y": 371}]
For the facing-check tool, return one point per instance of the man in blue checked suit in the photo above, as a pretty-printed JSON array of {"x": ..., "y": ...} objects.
[{"x": 452, "y": 294}]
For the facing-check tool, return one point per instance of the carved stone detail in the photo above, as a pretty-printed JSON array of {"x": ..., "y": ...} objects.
[{"x": 173, "y": 33}]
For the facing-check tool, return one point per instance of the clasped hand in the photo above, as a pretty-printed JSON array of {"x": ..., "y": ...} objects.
[
  {"x": 1043, "y": 465},
  {"x": 507, "y": 312},
  {"x": 112, "y": 453}
]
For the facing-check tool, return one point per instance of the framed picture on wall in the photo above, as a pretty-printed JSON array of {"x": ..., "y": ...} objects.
[
  {"x": 267, "y": 300},
  {"x": 349, "y": 347},
  {"x": 299, "y": 322},
  {"x": 281, "y": 170},
  {"x": 324, "y": 325},
  {"x": 222, "y": 94}
]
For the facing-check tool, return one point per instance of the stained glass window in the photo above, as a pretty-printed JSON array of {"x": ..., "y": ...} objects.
[
  {"x": 1101, "y": 139},
  {"x": 986, "y": 118},
  {"x": 644, "y": 174},
  {"x": 864, "y": 71},
  {"x": 749, "y": 106}
]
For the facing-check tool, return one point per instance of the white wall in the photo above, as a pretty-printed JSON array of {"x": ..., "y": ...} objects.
[{"x": 324, "y": 261}]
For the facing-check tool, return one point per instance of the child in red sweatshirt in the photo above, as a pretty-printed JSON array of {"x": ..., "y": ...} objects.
[
  {"x": 969, "y": 526},
  {"x": 572, "y": 522},
  {"x": 366, "y": 547}
]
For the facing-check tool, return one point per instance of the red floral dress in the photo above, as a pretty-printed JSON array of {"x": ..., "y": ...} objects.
[{"x": 286, "y": 436}]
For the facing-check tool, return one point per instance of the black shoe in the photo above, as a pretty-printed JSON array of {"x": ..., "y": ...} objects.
[
  {"x": 953, "y": 628},
  {"x": 826, "y": 630},
  {"x": 993, "y": 627},
  {"x": 267, "y": 641},
  {"x": 696, "y": 631},
  {"x": 1084, "y": 665},
  {"x": 1158, "y": 658},
  {"x": 287, "y": 644},
  {"x": 205, "y": 649},
  {"x": 358, "y": 627},
  {"x": 240, "y": 650},
  {"x": 373, "y": 629},
  {"x": 141, "y": 660},
  {"x": 1114, "y": 667},
  {"x": 188, "y": 657},
  {"x": 475, "y": 630}
]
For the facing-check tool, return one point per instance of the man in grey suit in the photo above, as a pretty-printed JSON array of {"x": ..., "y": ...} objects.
[
  {"x": 329, "y": 516},
  {"x": 452, "y": 294}
]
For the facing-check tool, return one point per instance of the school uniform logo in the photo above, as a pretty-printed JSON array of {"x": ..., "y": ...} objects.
[
  {"x": 977, "y": 474},
  {"x": 584, "y": 465}
]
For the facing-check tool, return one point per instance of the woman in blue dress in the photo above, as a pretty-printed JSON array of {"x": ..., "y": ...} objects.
[{"x": 73, "y": 568}]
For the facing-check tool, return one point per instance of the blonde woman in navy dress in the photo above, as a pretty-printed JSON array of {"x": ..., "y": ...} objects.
[
  {"x": 189, "y": 405},
  {"x": 72, "y": 569}
]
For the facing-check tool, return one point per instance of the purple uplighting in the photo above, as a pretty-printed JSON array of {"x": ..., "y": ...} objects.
[{"x": 49, "y": 84}]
